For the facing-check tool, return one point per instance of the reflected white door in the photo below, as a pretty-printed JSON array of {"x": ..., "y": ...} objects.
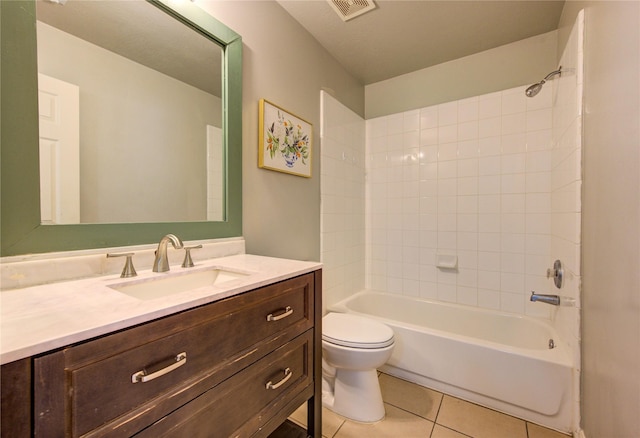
[{"x": 59, "y": 110}]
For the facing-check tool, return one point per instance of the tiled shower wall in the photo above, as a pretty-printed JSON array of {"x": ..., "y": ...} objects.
[
  {"x": 342, "y": 134},
  {"x": 492, "y": 179},
  {"x": 470, "y": 178},
  {"x": 566, "y": 184}
]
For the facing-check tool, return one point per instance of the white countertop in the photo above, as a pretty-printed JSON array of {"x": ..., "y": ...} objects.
[{"x": 37, "y": 319}]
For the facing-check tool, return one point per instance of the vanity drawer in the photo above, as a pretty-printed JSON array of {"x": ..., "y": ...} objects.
[
  {"x": 241, "y": 405},
  {"x": 181, "y": 356}
]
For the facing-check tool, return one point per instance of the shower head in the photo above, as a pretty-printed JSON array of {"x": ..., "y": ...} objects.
[{"x": 535, "y": 88}]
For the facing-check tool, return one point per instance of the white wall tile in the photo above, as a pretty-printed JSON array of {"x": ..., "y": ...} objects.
[
  {"x": 489, "y": 261},
  {"x": 467, "y": 295},
  {"x": 475, "y": 178},
  {"x": 411, "y": 120},
  {"x": 512, "y": 242},
  {"x": 489, "y": 241},
  {"x": 512, "y": 263},
  {"x": 489, "y": 105},
  {"x": 428, "y": 290},
  {"x": 491, "y": 127},
  {"x": 539, "y": 140},
  {"x": 489, "y": 280},
  {"x": 429, "y": 117},
  {"x": 488, "y": 299},
  {"x": 514, "y": 143},
  {"x": 512, "y": 282},
  {"x": 512, "y": 302},
  {"x": 448, "y": 151},
  {"x": 468, "y": 109},
  {"x": 468, "y": 149},
  {"x": 468, "y": 186},
  {"x": 489, "y": 203},
  {"x": 395, "y": 124},
  {"x": 447, "y": 292},
  {"x": 448, "y": 114},
  {"x": 513, "y": 101},
  {"x": 489, "y": 146},
  {"x": 513, "y": 124},
  {"x": 468, "y": 130},
  {"x": 538, "y": 119},
  {"x": 489, "y": 165},
  {"x": 447, "y": 134},
  {"x": 429, "y": 136}
]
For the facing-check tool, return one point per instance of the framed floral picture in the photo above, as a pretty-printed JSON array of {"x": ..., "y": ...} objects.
[{"x": 285, "y": 141}]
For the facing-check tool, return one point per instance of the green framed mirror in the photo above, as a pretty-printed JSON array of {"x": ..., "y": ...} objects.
[{"x": 22, "y": 228}]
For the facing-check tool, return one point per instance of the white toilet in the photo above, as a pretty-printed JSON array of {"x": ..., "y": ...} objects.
[{"x": 352, "y": 348}]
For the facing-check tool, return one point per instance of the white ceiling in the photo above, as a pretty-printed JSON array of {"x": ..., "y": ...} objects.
[{"x": 403, "y": 36}]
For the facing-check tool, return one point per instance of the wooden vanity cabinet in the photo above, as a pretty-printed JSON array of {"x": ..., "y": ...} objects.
[{"x": 235, "y": 367}]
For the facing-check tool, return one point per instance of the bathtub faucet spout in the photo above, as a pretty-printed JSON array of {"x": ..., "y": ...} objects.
[{"x": 549, "y": 299}]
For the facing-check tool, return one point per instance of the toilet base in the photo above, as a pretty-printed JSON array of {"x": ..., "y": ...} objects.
[{"x": 356, "y": 395}]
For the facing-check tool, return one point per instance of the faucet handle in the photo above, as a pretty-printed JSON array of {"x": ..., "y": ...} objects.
[
  {"x": 557, "y": 273},
  {"x": 188, "y": 261},
  {"x": 128, "y": 270}
]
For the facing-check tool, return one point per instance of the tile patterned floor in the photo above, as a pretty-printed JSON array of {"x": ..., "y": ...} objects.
[{"x": 417, "y": 412}]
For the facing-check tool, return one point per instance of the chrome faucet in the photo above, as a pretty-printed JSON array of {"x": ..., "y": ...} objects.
[
  {"x": 161, "y": 263},
  {"x": 549, "y": 299}
]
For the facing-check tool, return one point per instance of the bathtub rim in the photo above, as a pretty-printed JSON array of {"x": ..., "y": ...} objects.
[{"x": 560, "y": 354}]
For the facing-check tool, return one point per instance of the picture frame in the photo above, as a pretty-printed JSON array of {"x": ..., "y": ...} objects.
[{"x": 285, "y": 140}]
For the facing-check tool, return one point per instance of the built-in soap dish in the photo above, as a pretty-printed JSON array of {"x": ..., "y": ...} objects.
[{"x": 447, "y": 261}]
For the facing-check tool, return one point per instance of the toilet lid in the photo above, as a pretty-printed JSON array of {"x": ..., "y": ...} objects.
[{"x": 355, "y": 331}]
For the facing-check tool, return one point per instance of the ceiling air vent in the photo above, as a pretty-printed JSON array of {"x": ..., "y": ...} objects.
[{"x": 348, "y": 9}]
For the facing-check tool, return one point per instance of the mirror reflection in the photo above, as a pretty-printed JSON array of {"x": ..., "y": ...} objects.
[{"x": 130, "y": 115}]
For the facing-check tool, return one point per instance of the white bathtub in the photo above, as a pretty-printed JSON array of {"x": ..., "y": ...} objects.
[{"x": 495, "y": 359}]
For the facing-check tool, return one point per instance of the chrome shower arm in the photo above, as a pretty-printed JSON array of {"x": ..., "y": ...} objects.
[{"x": 553, "y": 73}]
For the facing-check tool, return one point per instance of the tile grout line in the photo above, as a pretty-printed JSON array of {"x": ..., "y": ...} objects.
[
  {"x": 435, "y": 419},
  {"x": 339, "y": 427},
  {"x": 442, "y": 425}
]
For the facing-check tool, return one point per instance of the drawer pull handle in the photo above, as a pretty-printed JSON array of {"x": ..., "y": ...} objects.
[
  {"x": 142, "y": 376},
  {"x": 287, "y": 311},
  {"x": 287, "y": 375}
]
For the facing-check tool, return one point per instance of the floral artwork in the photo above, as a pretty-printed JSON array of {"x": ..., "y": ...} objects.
[{"x": 285, "y": 141}]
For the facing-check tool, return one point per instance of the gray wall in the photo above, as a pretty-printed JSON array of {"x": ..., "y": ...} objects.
[
  {"x": 285, "y": 65},
  {"x": 611, "y": 217},
  {"x": 523, "y": 62}
]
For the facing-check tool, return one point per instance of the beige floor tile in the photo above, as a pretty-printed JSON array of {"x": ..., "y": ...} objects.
[
  {"x": 414, "y": 398},
  {"x": 331, "y": 421},
  {"x": 397, "y": 423},
  {"x": 443, "y": 432},
  {"x": 536, "y": 431},
  {"x": 477, "y": 421}
]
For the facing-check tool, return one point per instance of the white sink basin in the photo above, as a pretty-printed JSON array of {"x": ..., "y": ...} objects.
[{"x": 169, "y": 284}]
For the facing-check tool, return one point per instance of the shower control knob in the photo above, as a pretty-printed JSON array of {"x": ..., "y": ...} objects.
[{"x": 557, "y": 273}]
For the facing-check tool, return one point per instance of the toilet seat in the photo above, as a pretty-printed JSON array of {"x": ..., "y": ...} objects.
[{"x": 355, "y": 331}]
